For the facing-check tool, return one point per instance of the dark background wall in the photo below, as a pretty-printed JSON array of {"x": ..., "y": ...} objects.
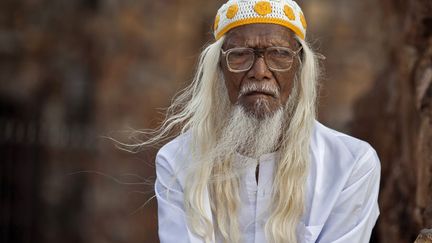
[
  {"x": 396, "y": 117},
  {"x": 75, "y": 72}
]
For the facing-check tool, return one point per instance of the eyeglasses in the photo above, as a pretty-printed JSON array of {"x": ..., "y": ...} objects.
[{"x": 241, "y": 59}]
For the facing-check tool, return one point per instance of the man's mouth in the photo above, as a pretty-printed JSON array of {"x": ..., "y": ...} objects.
[
  {"x": 259, "y": 89},
  {"x": 252, "y": 93}
]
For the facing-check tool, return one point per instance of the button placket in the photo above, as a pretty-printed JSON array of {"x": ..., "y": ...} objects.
[{"x": 251, "y": 185}]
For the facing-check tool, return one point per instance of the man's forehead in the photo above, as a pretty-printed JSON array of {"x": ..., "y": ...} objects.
[{"x": 260, "y": 34}]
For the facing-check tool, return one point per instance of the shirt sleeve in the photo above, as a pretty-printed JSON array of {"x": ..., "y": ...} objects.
[
  {"x": 356, "y": 210},
  {"x": 171, "y": 214}
]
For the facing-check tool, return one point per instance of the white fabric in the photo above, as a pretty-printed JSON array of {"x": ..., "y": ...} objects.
[{"x": 341, "y": 202}]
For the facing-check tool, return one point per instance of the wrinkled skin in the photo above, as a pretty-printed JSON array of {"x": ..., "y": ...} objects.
[{"x": 259, "y": 36}]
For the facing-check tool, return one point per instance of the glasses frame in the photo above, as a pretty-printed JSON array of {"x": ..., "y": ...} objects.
[{"x": 260, "y": 52}]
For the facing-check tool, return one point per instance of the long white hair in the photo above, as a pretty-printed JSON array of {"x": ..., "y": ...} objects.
[{"x": 200, "y": 109}]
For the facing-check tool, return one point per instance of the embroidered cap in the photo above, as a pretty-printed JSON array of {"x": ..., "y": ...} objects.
[{"x": 235, "y": 13}]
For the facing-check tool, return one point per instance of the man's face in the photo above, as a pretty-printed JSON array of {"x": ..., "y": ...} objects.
[{"x": 259, "y": 104}]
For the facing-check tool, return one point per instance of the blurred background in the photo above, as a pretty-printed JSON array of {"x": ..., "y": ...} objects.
[{"x": 73, "y": 72}]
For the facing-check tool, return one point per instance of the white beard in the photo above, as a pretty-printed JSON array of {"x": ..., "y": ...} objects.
[
  {"x": 244, "y": 133},
  {"x": 250, "y": 136}
]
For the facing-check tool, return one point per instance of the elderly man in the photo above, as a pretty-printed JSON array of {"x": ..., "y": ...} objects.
[{"x": 251, "y": 163}]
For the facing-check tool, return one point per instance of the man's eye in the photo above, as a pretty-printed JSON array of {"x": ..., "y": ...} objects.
[
  {"x": 278, "y": 53},
  {"x": 239, "y": 53}
]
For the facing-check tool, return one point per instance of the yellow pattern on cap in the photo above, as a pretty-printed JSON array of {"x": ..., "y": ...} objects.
[
  {"x": 232, "y": 10},
  {"x": 303, "y": 20},
  {"x": 262, "y": 8},
  {"x": 289, "y": 12},
  {"x": 216, "y": 22}
]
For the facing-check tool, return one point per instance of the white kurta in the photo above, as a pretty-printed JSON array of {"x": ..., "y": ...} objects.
[{"x": 341, "y": 201}]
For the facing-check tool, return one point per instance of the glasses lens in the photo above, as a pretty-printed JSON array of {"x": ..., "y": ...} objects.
[
  {"x": 279, "y": 58},
  {"x": 240, "y": 59}
]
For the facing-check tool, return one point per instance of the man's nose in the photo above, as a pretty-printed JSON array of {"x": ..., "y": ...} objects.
[{"x": 259, "y": 70}]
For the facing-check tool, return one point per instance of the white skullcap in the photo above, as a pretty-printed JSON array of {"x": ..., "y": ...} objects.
[{"x": 235, "y": 13}]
